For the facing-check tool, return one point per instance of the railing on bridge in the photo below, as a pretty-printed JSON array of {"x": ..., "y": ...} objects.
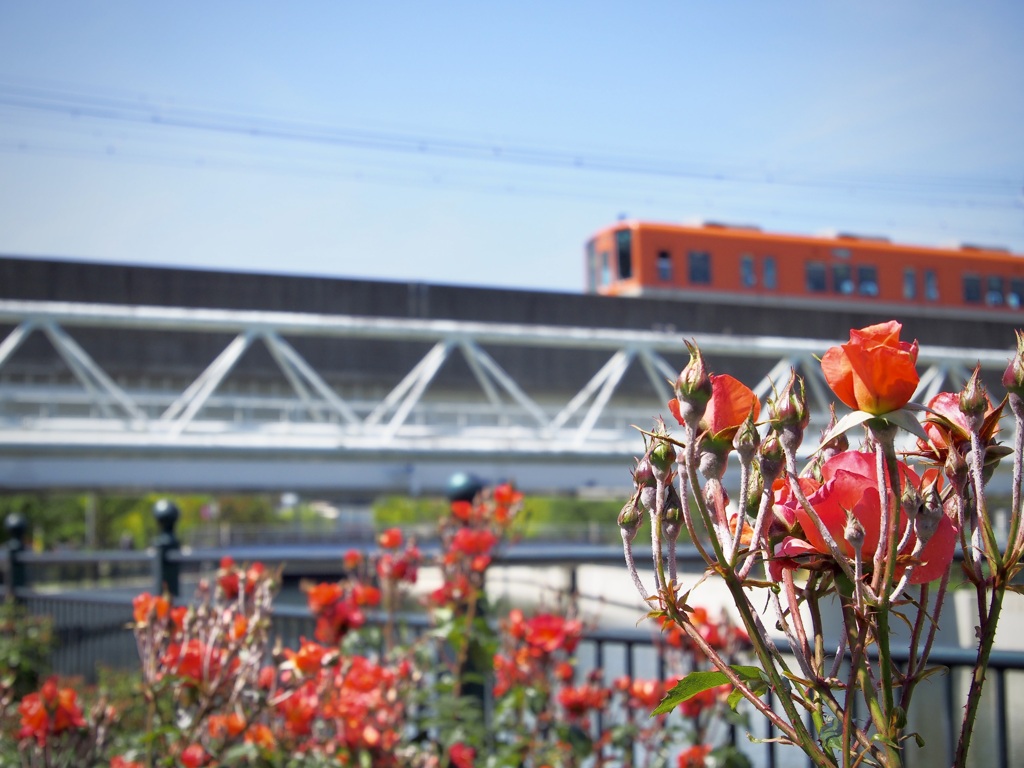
[{"x": 91, "y": 409}]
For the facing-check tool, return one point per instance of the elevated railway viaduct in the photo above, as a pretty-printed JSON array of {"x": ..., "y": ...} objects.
[{"x": 118, "y": 374}]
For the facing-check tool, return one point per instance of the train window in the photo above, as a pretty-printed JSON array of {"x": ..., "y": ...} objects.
[
  {"x": 700, "y": 267},
  {"x": 606, "y": 269},
  {"x": 867, "y": 280},
  {"x": 841, "y": 253},
  {"x": 591, "y": 267},
  {"x": 972, "y": 289},
  {"x": 994, "y": 291},
  {"x": 771, "y": 277},
  {"x": 747, "y": 275},
  {"x": 815, "y": 277},
  {"x": 1015, "y": 297},
  {"x": 664, "y": 266},
  {"x": 931, "y": 285},
  {"x": 909, "y": 283},
  {"x": 624, "y": 249},
  {"x": 842, "y": 279}
]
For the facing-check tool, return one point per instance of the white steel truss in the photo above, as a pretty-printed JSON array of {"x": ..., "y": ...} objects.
[{"x": 100, "y": 414}]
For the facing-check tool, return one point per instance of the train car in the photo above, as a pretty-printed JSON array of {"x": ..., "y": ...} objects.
[{"x": 716, "y": 262}]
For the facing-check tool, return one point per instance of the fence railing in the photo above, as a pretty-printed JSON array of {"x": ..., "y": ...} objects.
[{"x": 91, "y": 627}]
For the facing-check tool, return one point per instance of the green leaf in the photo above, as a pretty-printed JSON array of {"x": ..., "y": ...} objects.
[
  {"x": 844, "y": 586},
  {"x": 880, "y": 739},
  {"x": 581, "y": 743},
  {"x": 728, "y": 757},
  {"x": 831, "y": 734},
  {"x": 757, "y": 687},
  {"x": 849, "y": 421},
  {"x": 236, "y": 754},
  {"x": 734, "y": 699},
  {"x": 698, "y": 682},
  {"x": 905, "y": 419}
]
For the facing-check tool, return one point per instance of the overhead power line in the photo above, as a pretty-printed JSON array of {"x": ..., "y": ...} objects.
[{"x": 144, "y": 112}]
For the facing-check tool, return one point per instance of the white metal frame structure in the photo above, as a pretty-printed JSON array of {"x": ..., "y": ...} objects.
[{"x": 96, "y": 416}]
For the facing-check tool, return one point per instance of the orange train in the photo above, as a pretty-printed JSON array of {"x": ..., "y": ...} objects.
[{"x": 741, "y": 264}]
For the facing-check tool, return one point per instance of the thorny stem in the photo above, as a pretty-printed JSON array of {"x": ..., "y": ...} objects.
[
  {"x": 755, "y": 537},
  {"x": 916, "y": 663},
  {"x": 816, "y": 626},
  {"x": 977, "y": 466},
  {"x": 657, "y": 513},
  {"x": 840, "y": 654},
  {"x": 796, "y": 730},
  {"x": 907, "y": 533},
  {"x": 988, "y": 636},
  {"x": 940, "y": 598},
  {"x": 915, "y": 637},
  {"x": 994, "y": 588},
  {"x": 961, "y": 518},
  {"x": 857, "y": 649},
  {"x": 886, "y": 672},
  {"x": 907, "y": 572},
  {"x": 890, "y": 496},
  {"x": 822, "y": 693},
  {"x": 856, "y": 627},
  {"x": 673, "y": 574},
  {"x": 801, "y": 649},
  {"x": 741, "y": 513},
  {"x": 627, "y": 548},
  {"x": 1015, "y": 539},
  {"x": 887, "y": 524},
  {"x": 684, "y": 496},
  {"x": 739, "y": 683},
  {"x": 788, "y": 632},
  {"x": 817, "y": 663}
]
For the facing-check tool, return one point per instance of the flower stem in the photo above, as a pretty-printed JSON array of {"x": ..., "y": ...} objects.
[
  {"x": 795, "y": 730},
  {"x": 988, "y": 636}
]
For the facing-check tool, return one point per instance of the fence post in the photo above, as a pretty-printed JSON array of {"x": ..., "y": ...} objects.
[
  {"x": 17, "y": 577},
  {"x": 166, "y": 570}
]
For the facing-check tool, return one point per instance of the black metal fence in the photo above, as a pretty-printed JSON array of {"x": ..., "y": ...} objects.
[{"x": 88, "y": 595}]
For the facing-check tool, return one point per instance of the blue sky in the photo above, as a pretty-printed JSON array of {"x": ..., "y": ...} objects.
[{"x": 483, "y": 142}]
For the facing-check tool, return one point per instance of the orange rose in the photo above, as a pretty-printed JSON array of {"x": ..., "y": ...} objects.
[
  {"x": 874, "y": 372},
  {"x": 146, "y": 607}
]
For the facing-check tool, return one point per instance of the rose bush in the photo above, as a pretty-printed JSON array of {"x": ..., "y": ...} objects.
[
  {"x": 217, "y": 689},
  {"x": 862, "y": 529}
]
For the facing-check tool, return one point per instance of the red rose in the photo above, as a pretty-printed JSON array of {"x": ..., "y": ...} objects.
[{"x": 461, "y": 756}]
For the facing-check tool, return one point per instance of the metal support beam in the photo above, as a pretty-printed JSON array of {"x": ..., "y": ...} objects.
[
  {"x": 195, "y": 397},
  {"x": 44, "y": 422},
  {"x": 297, "y": 370},
  {"x": 88, "y": 372}
]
